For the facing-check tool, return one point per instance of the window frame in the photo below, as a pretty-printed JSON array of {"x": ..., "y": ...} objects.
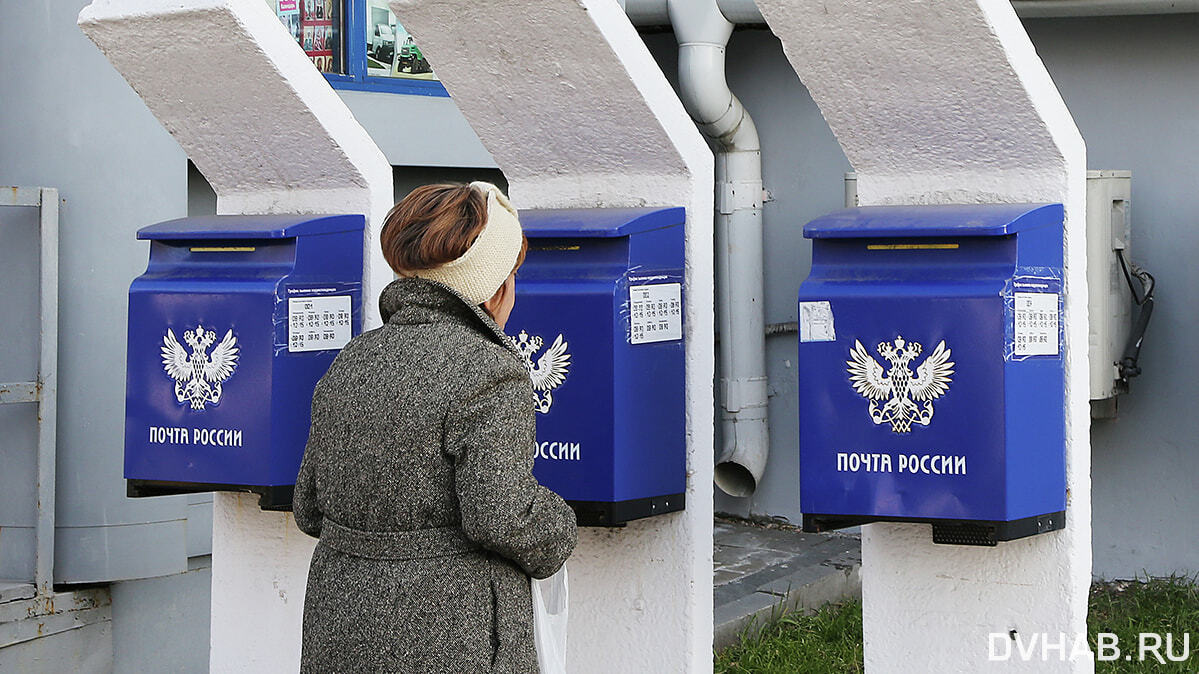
[{"x": 357, "y": 77}]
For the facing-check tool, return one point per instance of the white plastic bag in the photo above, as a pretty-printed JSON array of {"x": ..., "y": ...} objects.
[{"x": 551, "y": 599}]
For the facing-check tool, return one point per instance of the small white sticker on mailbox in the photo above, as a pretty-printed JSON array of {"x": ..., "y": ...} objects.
[
  {"x": 1036, "y": 328},
  {"x": 656, "y": 313},
  {"x": 318, "y": 323},
  {"x": 816, "y": 322}
]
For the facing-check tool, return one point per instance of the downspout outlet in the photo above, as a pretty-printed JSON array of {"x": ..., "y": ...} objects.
[
  {"x": 703, "y": 33},
  {"x": 745, "y": 438}
]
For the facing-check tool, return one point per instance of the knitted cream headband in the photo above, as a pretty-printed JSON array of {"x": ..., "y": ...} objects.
[{"x": 491, "y": 258}]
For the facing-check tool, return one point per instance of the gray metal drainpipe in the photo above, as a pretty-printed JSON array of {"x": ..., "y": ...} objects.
[{"x": 702, "y": 32}]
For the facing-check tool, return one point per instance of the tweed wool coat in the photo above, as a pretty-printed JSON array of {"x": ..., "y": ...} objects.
[{"x": 417, "y": 479}]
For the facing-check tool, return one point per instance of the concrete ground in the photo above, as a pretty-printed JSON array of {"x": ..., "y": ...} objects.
[{"x": 761, "y": 570}]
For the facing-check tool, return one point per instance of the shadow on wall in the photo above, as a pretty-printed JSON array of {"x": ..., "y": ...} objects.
[
  {"x": 1130, "y": 83},
  {"x": 201, "y": 200}
]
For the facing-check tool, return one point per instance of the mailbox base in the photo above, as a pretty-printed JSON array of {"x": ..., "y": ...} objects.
[
  {"x": 277, "y": 497},
  {"x": 617, "y": 513},
  {"x": 951, "y": 532}
]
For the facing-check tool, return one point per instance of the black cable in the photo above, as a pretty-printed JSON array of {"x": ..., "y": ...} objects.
[
  {"x": 1146, "y": 279},
  {"x": 1129, "y": 366},
  {"x": 1132, "y": 353}
]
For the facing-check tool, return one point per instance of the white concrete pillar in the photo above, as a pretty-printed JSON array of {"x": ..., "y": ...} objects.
[
  {"x": 573, "y": 108},
  {"x": 947, "y": 102},
  {"x": 270, "y": 135}
]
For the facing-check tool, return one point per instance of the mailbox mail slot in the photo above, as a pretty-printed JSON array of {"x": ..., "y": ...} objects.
[
  {"x": 231, "y": 326},
  {"x": 930, "y": 370},
  {"x": 599, "y": 316}
]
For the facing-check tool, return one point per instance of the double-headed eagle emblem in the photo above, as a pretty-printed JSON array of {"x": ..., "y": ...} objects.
[
  {"x": 550, "y": 371},
  {"x": 906, "y": 399},
  {"x": 198, "y": 377}
]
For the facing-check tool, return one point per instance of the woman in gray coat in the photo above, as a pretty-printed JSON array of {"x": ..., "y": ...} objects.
[{"x": 417, "y": 477}]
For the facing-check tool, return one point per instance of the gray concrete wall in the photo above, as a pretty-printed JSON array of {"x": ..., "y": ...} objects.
[
  {"x": 418, "y": 130},
  {"x": 146, "y": 626},
  {"x": 162, "y": 624},
  {"x": 1132, "y": 84},
  {"x": 19, "y": 258},
  {"x": 67, "y": 120},
  {"x": 408, "y": 178},
  {"x": 86, "y": 650}
]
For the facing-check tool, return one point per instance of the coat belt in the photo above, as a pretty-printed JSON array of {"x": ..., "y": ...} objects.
[{"x": 397, "y": 545}]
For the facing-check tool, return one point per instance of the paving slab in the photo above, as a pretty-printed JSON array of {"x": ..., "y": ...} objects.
[{"x": 763, "y": 570}]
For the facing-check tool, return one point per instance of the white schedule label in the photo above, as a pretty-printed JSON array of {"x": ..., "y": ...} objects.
[
  {"x": 656, "y": 313},
  {"x": 816, "y": 322},
  {"x": 1036, "y": 324},
  {"x": 318, "y": 323}
]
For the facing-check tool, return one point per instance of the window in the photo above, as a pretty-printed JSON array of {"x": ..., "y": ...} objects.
[
  {"x": 317, "y": 26},
  {"x": 390, "y": 50},
  {"x": 359, "y": 44}
]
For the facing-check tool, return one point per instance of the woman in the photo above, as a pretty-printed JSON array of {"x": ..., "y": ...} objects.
[{"x": 417, "y": 477}]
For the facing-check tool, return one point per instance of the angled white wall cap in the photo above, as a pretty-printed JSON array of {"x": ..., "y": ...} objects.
[
  {"x": 230, "y": 84},
  {"x": 901, "y": 85},
  {"x": 947, "y": 102},
  {"x": 564, "y": 103}
]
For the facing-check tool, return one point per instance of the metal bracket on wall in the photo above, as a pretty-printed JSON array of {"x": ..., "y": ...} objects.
[{"x": 43, "y": 391}]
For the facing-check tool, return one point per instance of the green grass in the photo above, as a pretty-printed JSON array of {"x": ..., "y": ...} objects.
[
  {"x": 830, "y": 641},
  {"x": 1154, "y": 605}
]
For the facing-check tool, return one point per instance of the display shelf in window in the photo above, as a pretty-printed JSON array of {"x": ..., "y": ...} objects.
[{"x": 386, "y": 58}]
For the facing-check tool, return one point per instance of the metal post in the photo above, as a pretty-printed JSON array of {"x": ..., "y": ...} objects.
[{"x": 47, "y": 381}]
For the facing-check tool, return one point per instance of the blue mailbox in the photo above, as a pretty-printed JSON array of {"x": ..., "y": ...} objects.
[
  {"x": 599, "y": 319},
  {"x": 231, "y": 326},
  {"x": 930, "y": 370}
]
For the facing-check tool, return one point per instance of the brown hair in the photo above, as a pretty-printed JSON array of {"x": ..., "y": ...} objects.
[{"x": 433, "y": 225}]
